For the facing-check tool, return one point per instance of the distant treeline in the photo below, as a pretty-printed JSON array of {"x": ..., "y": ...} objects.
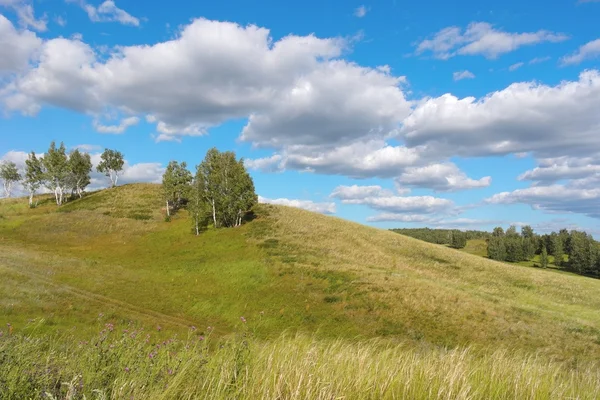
[
  {"x": 572, "y": 250},
  {"x": 451, "y": 237}
]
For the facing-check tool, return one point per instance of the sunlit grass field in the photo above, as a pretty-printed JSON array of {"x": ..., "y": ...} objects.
[{"x": 334, "y": 309}]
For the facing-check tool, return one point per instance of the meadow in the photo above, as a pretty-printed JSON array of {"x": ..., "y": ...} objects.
[{"x": 299, "y": 305}]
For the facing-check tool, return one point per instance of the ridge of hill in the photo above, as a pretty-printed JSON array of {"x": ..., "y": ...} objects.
[{"x": 111, "y": 256}]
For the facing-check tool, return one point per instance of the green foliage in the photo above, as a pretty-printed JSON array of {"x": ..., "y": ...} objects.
[
  {"x": 582, "y": 253},
  {"x": 9, "y": 175},
  {"x": 80, "y": 166},
  {"x": 112, "y": 163},
  {"x": 557, "y": 248},
  {"x": 496, "y": 249},
  {"x": 227, "y": 187},
  {"x": 197, "y": 205},
  {"x": 56, "y": 167},
  {"x": 439, "y": 236},
  {"x": 34, "y": 175},
  {"x": 498, "y": 232},
  {"x": 176, "y": 184},
  {"x": 544, "y": 258},
  {"x": 458, "y": 240}
]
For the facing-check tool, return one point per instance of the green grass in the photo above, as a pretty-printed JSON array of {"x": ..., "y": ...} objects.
[
  {"x": 110, "y": 257},
  {"x": 125, "y": 362}
]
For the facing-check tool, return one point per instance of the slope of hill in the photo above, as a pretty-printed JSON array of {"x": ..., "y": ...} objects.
[{"x": 111, "y": 258}]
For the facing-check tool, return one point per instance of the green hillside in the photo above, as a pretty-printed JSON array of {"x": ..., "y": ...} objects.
[{"x": 111, "y": 258}]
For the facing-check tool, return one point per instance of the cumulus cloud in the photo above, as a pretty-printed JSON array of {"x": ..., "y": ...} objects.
[
  {"x": 446, "y": 177},
  {"x": 554, "y": 169},
  {"x": 17, "y": 48},
  {"x": 387, "y": 202},
  {"x": 324, "y": 208},
  {"x": 107, "y": 12},
  {"x": 588, "y": 51},
  {"x": 548, "y": 121},
  {"x": 554, "y": 198},
  {"x": 460, "y": 75},
  {"x": 25, "y": 14},
  {"x": 356, "y": 192},
  {"x": 481, "y": 38},
  {"x": 116, "y": 129}
]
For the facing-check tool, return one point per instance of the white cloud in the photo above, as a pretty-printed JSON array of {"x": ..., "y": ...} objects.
[
  {"x": 554, "y": 198},
  {"x": 25, "y": 14},
  {"x": 107, "y": 12},
  {"x": 459, "y": 75},
  {"x": 548, "y": 121},
  {"x": 116, "y": 129},
  {"x": 538, "y": 60},
  {"x": 356, "y": 192},
  {"x": 588, "y": 51},
  {"x": 325, "y": 208},
  {"x": 17, "y": 48},
  {"x": 481, "y": 38},
  {"x": 555, "y": 169},
  {"x": 88, "y": 147},
  {"x": 445, "y": 177},
  {"x": 360, "y": 159},
  {"x": 60, "y": 20},
  {"x": 387, "y": 202},
  {"x": 516, "y": 66},
  {"x": 266, "y": 164},
  {"x": 361, "y": 11},
  {"x": 390, "y": 217}
]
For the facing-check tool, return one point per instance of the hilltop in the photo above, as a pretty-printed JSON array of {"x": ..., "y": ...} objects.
[{"x": 287, "y": 270}]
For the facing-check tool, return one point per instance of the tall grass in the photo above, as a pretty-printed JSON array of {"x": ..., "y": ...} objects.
[{"x": 122, "y": 362}]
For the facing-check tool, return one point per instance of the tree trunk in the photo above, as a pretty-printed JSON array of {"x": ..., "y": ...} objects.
[
  {"x": 197, "y": 231},
  {"x": 168, "y": 213},
  {"x": 214, "y": 213},
  {"x": 30, "y": 199}
]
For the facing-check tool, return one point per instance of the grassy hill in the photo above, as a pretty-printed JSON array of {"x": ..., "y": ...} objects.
[{"x": 110, "y": 258}]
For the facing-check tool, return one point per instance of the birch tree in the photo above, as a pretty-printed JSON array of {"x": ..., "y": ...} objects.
[
  {"x": 227, "y": 186},
  {"x": 34, "y": 175},
  {"x": 56, "y": 165},
  {"x": 176, "y": 183},
  {"x": 9, "y": 175},
  {"x": 197, "y": 206},
  {"x": 111, "y": 164},
  {"x": 80, "y": 166}
]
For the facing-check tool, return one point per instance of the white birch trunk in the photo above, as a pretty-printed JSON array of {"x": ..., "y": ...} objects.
[
  {"x": 7, "y": 188},
  {"x": 214, "y": 213},
  {"x": 168, "y": 212},
  {"x": 31, "y": 198}
]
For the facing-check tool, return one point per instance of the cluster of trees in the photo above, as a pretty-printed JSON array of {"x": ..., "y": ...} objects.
[
  {"x": 451, "y": 237},
  {"x": 581, "y": 250},
  {"x": 221, "y": 191},
  {"x": 59, "y": 172}
]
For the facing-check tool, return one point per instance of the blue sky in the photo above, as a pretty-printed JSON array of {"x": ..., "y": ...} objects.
[{"x": 468, "y": 115}]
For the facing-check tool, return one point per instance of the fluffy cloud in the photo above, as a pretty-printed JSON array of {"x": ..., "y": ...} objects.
[
  {"x": 356, "y": 192},
  {"x": 17, "y": 48},
  {"x": 460, "y": 75},
  {"x": 554, "y": 199},
  {"x": 555, "y": 169},
  {"x": 107, "y": 12},
  {"x": 387, "y": 202},
  {"x": 360, "y": 159},
  {"x": 25, "y": 14},
  {"x": 548, "y": 121},
  {"x": 444, "y": 177},
  {"x": 588, "y": 51},
  {"x": 116, "y": 129},
  {"x": 325, "y": 208},
  {"x": 481, "y": 38}
]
